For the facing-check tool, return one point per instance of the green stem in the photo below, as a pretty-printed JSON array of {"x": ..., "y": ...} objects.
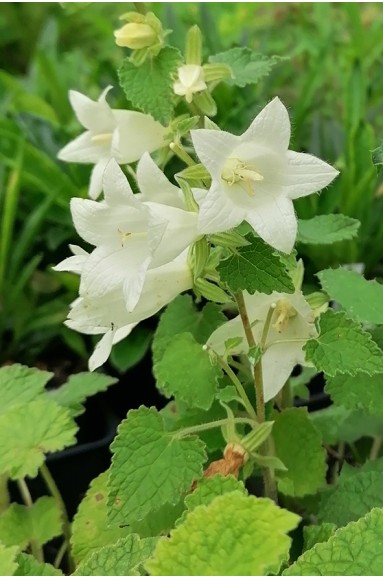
[
  {"x": 266, "y": 448},
  {"x": 140, "y": 7},
  {"x": 182, "y": 154},
  {"x": 55, "y": 492},
  {"x": 212, "y": 424},
  {"x": 239, "y": 387},
  {"x": 36, "y": 549},
  {"x": 375, "y": 448},
  {"x": 60, "y": 554}
]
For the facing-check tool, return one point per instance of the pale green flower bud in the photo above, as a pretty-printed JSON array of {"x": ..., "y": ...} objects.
[{"x": 136, "y": 35}]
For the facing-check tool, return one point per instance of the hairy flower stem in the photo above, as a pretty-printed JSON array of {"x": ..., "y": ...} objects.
[
  {"x": 266, "y": 448},
  {"x": 55, "y": 492},
  {"x": 212, "y": 424},
  {"x": 140, "y": 7},
  {"x": 178, "y": 150},
  {"x": 36, "y": 549},
  {"x": 239, "y": 387}
]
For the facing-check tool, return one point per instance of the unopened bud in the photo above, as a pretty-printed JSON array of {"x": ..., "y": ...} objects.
[{"x": 136, "y": 36}]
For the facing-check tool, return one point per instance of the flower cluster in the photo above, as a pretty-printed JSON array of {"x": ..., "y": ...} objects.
[{"x": 140, "y": 242}]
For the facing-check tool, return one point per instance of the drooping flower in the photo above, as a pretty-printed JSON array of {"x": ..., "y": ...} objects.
[
  {"x": 108, "y": 315},
  {"x": 124, "y": 135},
  {"x": 292, "y": 324},
  {"x": 255, "y": 178},
  {"x": 190, "y": 80},
  {"x": 131, "y": 233}
]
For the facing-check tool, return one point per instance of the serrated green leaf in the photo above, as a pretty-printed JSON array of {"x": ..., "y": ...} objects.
[
  {"x": 298, "y": 444},
  {"x": 20, "y": 384},
  {"x": 27, "y": 565},
  {"x": 354, "y": 550},
  {"x": 228, "y": 394},
  {"x": 181, "y": 316},
  {"x": 27, "y": 432},
  {"x": 327, "y": 229},
  {"x": 369, "y": 466},
  {"x": 149, "y": 87},
  {"x": 247, "y": 66},
  {"x": 316, "y": 534},
  {"x": 7, "y": 560},
  {"x": 343, "y": 347},
  {"x": 150, "y": 467},
  {"x": 78, "y": 387},
  {"x": 339, "y": 424},
  {"x": 361, "y": 391},
  {"x": 160, "y": 522},
  {"x": 352, "y": 498},
  {"x": 120, "y": 559},
  {"x": 178, "y": 416},
  {"x": 41, "y": 522},
  {"x": 256, "y": 267},
  {"x": 233, "y": 535},
  {"x": 90, "y": 530},
  {"x": 362, "y": 299},
  {"x": 186, "y": 372},
  {"x": 210, "y": 488}
]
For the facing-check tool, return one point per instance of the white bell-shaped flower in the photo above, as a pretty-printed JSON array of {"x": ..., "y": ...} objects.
[{"x": 255, "y": 178}]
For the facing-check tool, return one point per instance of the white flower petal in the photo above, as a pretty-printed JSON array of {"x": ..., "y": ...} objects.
[
  {"x": 102, "y": 350},
  {"x": 95, "y": 116},
  {"x": 218, "y": 213},
  {"x": 189, "y": 74},
  {"x": 96, "y": 177},
  {"x": 306, "y": 174},
  {"x": 273, "y": 218},
  {"x": 74, "y": 264},
  {"x": 110, "y": 266},
  {"x": 180, "y": 232},
  {"x": 83, "y": 150},
  {"x": 123, "y": 332},
  {"x": 277, "y": 365},
  {"x": 271, "y": 128},
  {"x": 213, "y": 147},
  {"x": 116, "y": 186},
  {"x": 154, "y": 186},
  {"x": 136, "y": 133}
]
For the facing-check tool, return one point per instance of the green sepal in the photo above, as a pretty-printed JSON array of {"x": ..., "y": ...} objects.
[
  {"x": 210, "y": 291},
  {"x": 230, "y": 239},
  {"x": 193, "y": 48},
  {"x": 195, "y": 173},
  {"x": 215, "y": 72},
  {"x": 201, "y": 251},
  {"x": 205, "y": 103}
]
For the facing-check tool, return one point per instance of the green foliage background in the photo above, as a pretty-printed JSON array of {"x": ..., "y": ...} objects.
[{"x": 330, "y": 81}]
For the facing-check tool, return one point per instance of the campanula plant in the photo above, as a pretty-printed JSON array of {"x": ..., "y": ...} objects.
[{"x": 197, "y": 224}]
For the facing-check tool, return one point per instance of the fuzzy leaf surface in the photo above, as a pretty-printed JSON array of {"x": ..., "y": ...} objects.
[
  {"x": 316, "y": 534},
  {"x": 150, "y": 466},
  {"x": 355, "y": 550},
  {"x": 40, "y": 522},
  {"x": 343, "y": 347},
  {"x": 90, "y": 527},
  {"x": 7, "y": 560},
  {"x": 27, "y": 565},
  {"x": 361, "y": 391},
  {"x": 186, "y": 372},
  {"x": 27, "y": 432},
  {"x": 327, "y": 229},
  {"x": 78, "y": 387},
  {"x": 298, "y": 445},
  {"x": 352, "y": 498},
  {"x": 123, "y": 558},
  {"x": 339, "y": 424},
  {"x": 256, "y": 267},
  {"x": 247, "y": 66},
  {"x": 181, "y": 316},
  {"x": 20, "y": 384},
  {"x": 360, "y": 298},
  {"x": 233, "y": 535},
  {"x": 149, "y": 87}
]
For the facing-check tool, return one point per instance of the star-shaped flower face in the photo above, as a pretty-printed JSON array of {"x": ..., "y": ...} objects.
[
  {"x": 107, "y": 314},
  {"x": 131, "y": 233},
  {"x": 120, "y": 134},
  {"x": 190, "y": 80},
  {"x": 255, "y": 178},
  {"x": 292, "y": 324}
]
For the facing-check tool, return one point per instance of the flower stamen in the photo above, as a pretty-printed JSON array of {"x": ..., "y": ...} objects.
[
  {"x": 284, "y": 311},
  {"x": 237, "y": 171}
]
